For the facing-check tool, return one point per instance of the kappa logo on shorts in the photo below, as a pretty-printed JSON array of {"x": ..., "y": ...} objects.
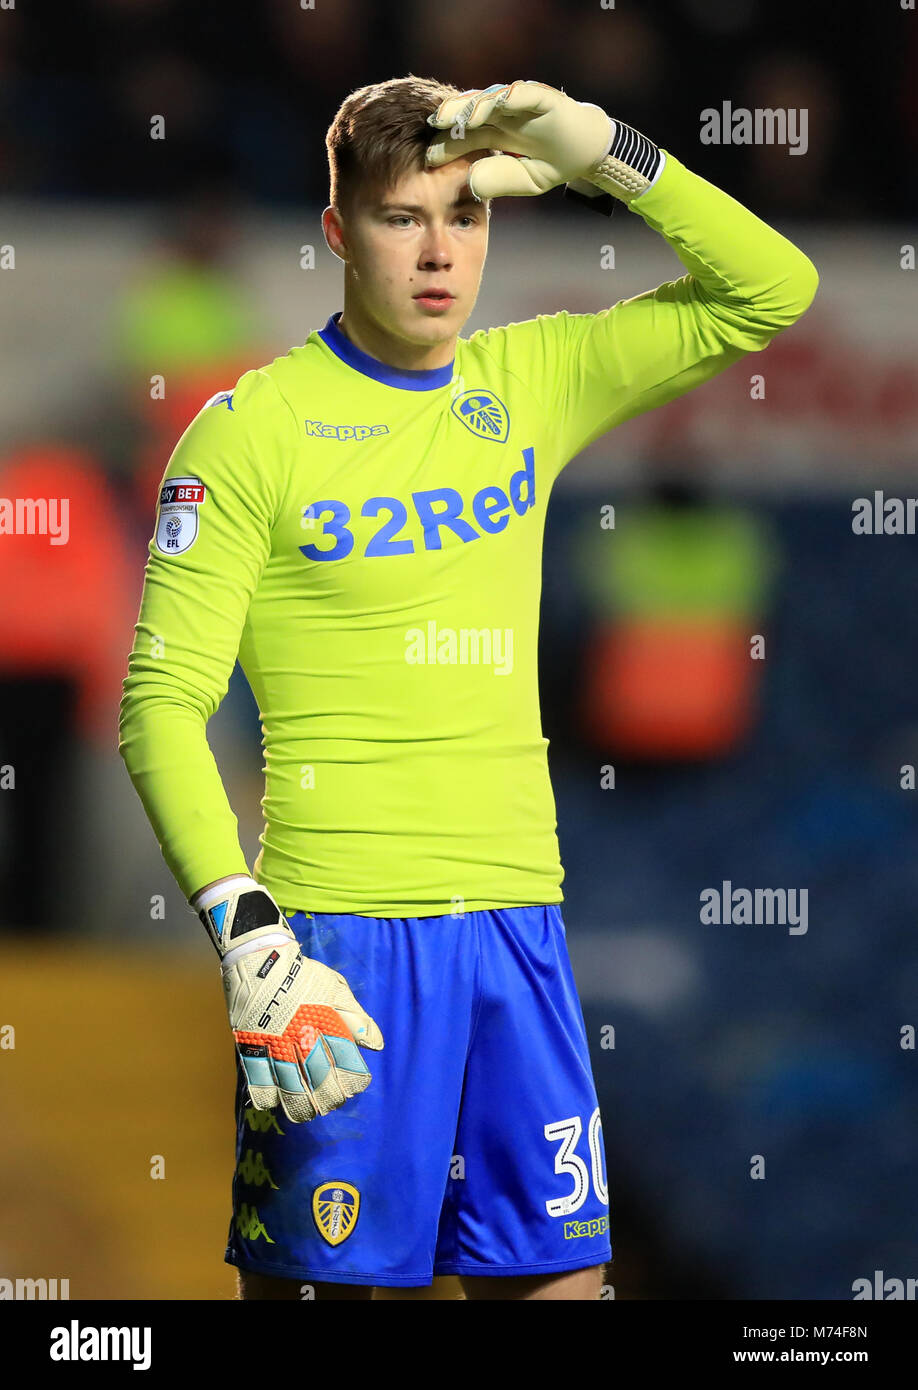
[
  {"x": 596, "y": 1226},
  {"x": 177, "y": 528},
  {"x": 334, "y": 1208}
]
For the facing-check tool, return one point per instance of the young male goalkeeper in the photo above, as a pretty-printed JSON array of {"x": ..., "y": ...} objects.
[{"x": 361, "y": 522}]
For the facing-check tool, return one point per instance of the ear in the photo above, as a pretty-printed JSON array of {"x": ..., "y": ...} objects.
[{"x": 333, "y": 231}]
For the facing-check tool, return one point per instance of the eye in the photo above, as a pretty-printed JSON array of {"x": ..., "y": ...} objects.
[
  {"x": 468, "y": 217},
  {"x": 400, "y": 217}
]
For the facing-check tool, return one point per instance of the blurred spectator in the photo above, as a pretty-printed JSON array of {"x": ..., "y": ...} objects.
[
  {"x": 480, "y": 41},
  {"x": 186, "y": 319},
  {"x": 248, "y": 91},
  {"x": 797, "y": 183},
  {"x": 187, "y": 309},
  {"x": 677, "y": 588},
  {"x": 68, "y": 599}
]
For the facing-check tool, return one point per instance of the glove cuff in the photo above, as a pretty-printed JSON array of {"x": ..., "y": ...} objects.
[
  {"x": 240, "y": 912},
  {"x": 631, "y": 166}
]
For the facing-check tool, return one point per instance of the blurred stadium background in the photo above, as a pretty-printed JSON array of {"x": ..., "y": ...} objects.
[{"x": 126, "y": 258}]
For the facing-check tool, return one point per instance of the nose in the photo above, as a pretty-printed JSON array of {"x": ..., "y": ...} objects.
[{"x": 436, "y": 253}]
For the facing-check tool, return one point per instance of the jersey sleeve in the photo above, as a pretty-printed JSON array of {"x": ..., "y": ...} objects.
[
  {"x": 745, "y": 283},
  {"x": 218, "y": 500}
]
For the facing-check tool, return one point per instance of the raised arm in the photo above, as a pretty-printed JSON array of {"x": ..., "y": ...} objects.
[{"x": 745, "y": 282}]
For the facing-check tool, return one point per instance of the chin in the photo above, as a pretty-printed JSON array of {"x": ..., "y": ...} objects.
[{"x": 431, "y": 331}]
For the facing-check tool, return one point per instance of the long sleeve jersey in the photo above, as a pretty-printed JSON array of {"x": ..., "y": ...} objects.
[{"x": 368, "y": 541}]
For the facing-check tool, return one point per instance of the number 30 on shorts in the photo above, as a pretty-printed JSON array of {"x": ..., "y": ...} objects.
[{"x": 567, "y": 1160}]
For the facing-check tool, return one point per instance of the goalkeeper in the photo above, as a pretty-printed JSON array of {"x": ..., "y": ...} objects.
[{"x": 360, "y": 522}]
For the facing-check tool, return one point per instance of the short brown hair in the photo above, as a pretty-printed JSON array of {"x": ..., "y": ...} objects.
[{"x": 379, "y": 134}]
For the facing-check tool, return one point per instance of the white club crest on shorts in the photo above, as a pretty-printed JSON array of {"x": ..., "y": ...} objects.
[{"x": 177, "y": 526}]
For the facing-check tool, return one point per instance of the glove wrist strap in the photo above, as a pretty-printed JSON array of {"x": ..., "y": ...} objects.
[
  {"x": 220, "y": 891},
  {"x": 241, "y": 913},
  {"x": 632, "y": 164}
]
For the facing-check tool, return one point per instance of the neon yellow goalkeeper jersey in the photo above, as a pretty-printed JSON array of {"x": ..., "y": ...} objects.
[{"x": 369, "y": 542}]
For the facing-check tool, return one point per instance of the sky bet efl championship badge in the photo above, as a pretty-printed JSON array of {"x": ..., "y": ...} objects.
[
  {"x": 177, "y": 528},
  {"x": 335, "y": 1206}
]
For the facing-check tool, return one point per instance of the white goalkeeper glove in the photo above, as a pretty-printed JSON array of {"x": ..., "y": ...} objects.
[
  {"x": 296, "y": 1023},
  {"x": 547, "y": 139}
]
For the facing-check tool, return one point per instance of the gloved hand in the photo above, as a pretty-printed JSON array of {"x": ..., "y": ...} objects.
[
  {"x": 296, "y": 1023},
  {"x": 558, "y": 139}
]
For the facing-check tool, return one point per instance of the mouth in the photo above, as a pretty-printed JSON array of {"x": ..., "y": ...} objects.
[{"x": 438, "y": 299}]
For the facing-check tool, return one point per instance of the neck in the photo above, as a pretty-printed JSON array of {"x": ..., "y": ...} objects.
[{"x": 360, "y": 329}]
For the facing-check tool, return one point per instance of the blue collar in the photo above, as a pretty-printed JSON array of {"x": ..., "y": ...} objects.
[{"x": 407, "y": 378}]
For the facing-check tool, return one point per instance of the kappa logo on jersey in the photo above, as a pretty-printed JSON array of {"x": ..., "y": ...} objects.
[
  {"x": 177, "y": 527},
  {"x": 334, "y": 1208},
  {"x": 483, "y": 414},
  {"x": 317, "y": 429}
]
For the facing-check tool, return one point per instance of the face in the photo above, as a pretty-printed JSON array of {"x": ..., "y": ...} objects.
[{"x": 426, "y": 234}]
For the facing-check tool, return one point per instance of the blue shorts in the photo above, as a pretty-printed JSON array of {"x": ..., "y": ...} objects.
[{"x": 477, "y": 1147}]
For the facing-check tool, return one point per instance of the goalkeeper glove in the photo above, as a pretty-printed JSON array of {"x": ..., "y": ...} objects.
[
  {"x": 547, "y": 139},
  {"x": 296, "y": 1023}
]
